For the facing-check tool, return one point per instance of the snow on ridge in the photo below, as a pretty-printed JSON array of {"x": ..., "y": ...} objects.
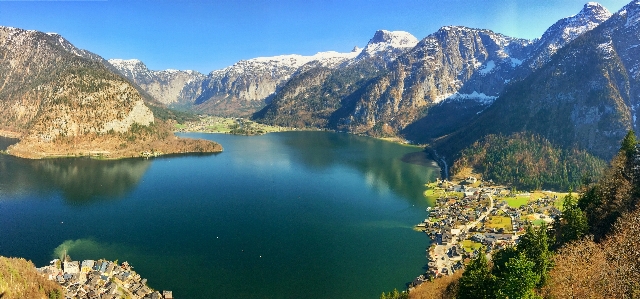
[
  {"x": 296, "y": 59},
  {"x": 124, "y": 61},
  {"x": 396, "y": 39},
  {"x": 606, "y": 49},
  {"x": 479, "y": 97},
  {"x": 384, "y": 43},
  {"x": 136, "y": 66},
  {"x": 632, "y": 10},
  {"x": 130, "y": 65},
  {"x": 291, "y": 62},
  {"x": 488, "y": 67}
]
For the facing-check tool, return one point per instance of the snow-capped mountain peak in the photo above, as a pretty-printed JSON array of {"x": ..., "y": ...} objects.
[
  {"x": 168, "y": 86},
  {"x": 387, "y": 44},
  {"x": 285, "y": 65},
  {"x": 566, "y": 30},
  {"x": 130, "y": 67},
  {"x": 591, "y": 15},
  {"x": 398, "y": 39}
]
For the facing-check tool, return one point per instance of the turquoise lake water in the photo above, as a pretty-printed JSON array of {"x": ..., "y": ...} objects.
[{"x": 282, "y": 215}]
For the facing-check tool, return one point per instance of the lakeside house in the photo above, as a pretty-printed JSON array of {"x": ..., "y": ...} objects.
[
  {"x": 100, "y": 279},
  {"x": 477, "y": 216}
]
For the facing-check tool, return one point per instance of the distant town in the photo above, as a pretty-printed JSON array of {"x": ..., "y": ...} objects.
[
  {"x": 100, "y": 279},
  {"x": 474, "y": 217},
  {"x": 228, "y": 125}
]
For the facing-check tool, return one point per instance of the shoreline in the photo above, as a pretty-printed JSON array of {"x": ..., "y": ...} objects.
[
  {"x": 109, "y": 149},
  {"x": 102, "y": 278},
  {"x": 472, "y": 217}
]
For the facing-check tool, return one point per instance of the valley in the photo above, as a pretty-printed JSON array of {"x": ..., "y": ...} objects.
[
  {"x": 228, "y": 125},
  {"x": 113, "y": 159}
]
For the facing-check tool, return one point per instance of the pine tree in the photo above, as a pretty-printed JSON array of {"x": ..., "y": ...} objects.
[
  {"x": 573, "y": 225},
  {"x": 628, "y": 146},
  {"x": 477, "y": 281},
  {"x": 519, "y": 279},
  {"x": 534, "y": 244}
]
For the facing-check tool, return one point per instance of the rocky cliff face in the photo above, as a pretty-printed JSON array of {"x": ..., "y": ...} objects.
[
  {"x": 56, "y": 98},
  {"x": 241, "y": 89},
  {"x": 434, "y": 70},
  {"x": 170, "y": 87},
  {"x": 565, "y": 31},
  {"x": 312, "y": 96},
  {"x": 454, "y": 112},
  {"x": 586, "y": 96}
]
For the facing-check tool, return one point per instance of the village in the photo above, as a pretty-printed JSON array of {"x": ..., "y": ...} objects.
[
  {"x": 474, "y": 217},
  {"x": 100, "y": 279},
  {"x": 228, "y": 125}
]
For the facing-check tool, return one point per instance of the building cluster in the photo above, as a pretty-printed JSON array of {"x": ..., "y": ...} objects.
[
  {"x": 464, "y": 214},
  {"x": 100, "y": 279}
]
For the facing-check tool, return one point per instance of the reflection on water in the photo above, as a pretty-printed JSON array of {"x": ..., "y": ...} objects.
[
  {"x": 419, "y": 158},
  {"x": 5, "y": 142},
  {"x": 271, "y": 209},
  {"x": 382, "y": 163},
  {"x": 80, "y": 180}
]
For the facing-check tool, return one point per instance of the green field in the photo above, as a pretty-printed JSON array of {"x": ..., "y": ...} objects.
[
  {"x": 432, "y": 194},
  {"x": 558, "y": 203},
  {"x": 470, "y": 246},
  {"x": 538, "y": 222},
  {"x": 213, "y": 124},
  {"x": 498, "y": 222},
  {"x": 516, "y": 202}
]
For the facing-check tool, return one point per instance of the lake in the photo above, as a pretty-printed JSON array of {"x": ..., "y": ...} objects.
[{"x": 282, "y": 215}]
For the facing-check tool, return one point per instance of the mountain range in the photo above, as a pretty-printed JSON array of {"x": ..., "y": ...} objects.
[
  {"x": 575, "y": 86},
  {"x": 432, "y": 89}
]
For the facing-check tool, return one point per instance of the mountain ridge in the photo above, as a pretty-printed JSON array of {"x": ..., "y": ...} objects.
[{"x": 63, "y": 101}]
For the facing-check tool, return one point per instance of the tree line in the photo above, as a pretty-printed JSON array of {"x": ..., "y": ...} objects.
[
  {"x": 529, "y": 162},
  {"x": 589, "y": 252}
]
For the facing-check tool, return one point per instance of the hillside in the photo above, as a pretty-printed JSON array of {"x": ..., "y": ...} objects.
[
  {"x": 593, "y": 253},
  {"x": 583, "y": 98},
  {"x": 60, "y": 103},
  {"x": 529, "y": 162},
  {"x": 19, "y": 279},
  {"x": 311, "y": 98}
]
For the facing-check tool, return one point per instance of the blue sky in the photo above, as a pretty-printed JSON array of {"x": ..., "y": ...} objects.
[{"x": 209, "y": 35}]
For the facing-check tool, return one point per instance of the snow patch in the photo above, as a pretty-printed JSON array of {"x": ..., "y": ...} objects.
[
  {"x": 488, "y": 67},
  {"x": 475, "y": 96},
  {"x": 606, "y": 49},
  {"x": 632, "y": 10},
  {"x": 385, "y": 43}
]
